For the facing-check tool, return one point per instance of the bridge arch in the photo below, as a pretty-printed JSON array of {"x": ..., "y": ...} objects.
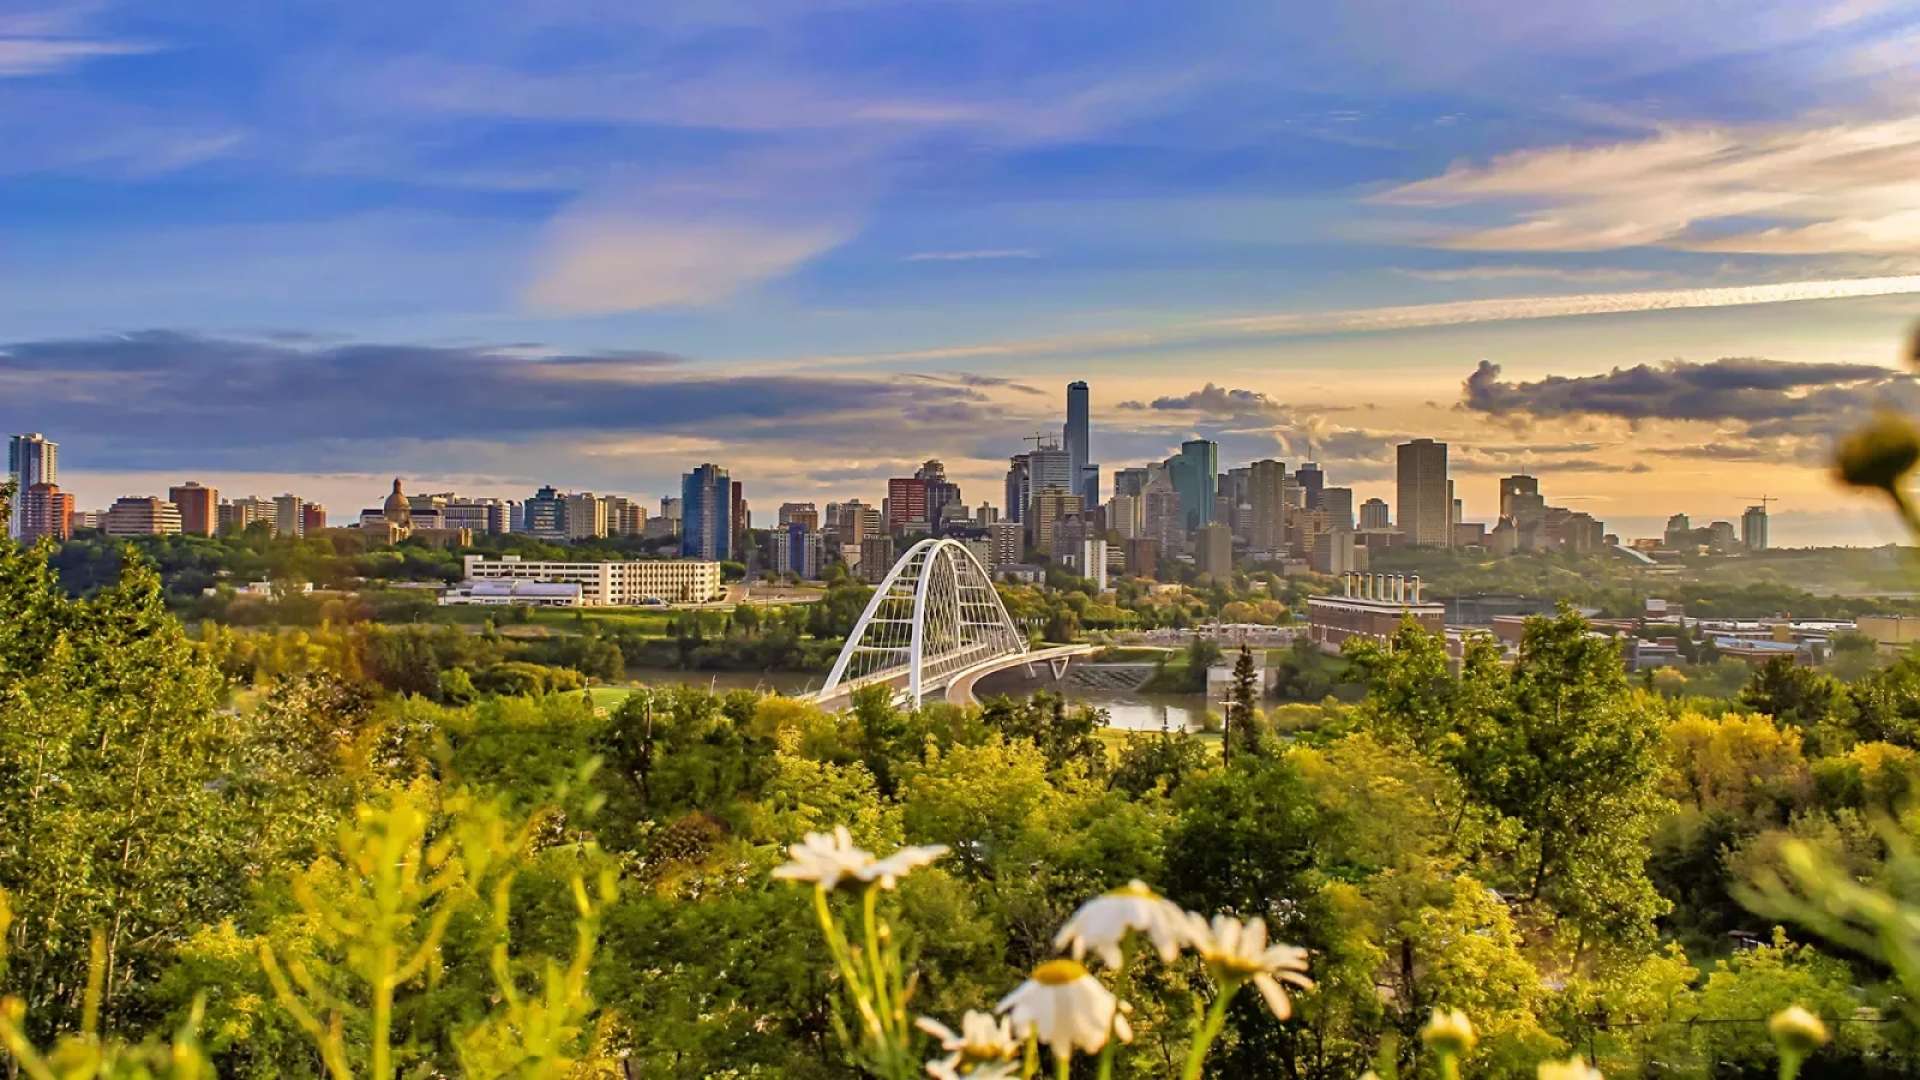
[{"x": 933, "y": 615}]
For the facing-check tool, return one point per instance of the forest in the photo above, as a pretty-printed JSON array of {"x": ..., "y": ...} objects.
[{"x": 342, "y": 865}]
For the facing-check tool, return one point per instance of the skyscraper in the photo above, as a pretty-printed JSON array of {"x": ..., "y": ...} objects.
[
  {"x": 1337, "y": 504},
  {"x": 45, "y": 510},
  {"x": 545, "y": 515},
  {"x": 1019, "y": 484},
  {"x": 199, "y": 508},
  {"x": 1425, "y": 506},
  {"x": 1753, "y": 528},
  {"x": 31, "y": 459},
  {"x": 1267, "y": 493},
  {"x": 1374, "y": 514},
  {"x": 1517, "y": 484},
  {"x": 1075, "y": 440},
  {"x": 706, "y": 513},
  {"x": 1194, "y": 472},
  {"x": 1311, "y": 480}
]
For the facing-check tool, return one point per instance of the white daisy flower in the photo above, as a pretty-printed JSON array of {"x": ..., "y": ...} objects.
[
  {"x": 1571, "y": 1069},
  {"x": 827, "y": 859},
  {"x": 1238, "y": 951},
  {"x": 1102, "y": 922},
  {"x": 984, "y": 1047},
  {"x": 1450, "y": 1032},
  {"x": 1066, "y": 1008}
]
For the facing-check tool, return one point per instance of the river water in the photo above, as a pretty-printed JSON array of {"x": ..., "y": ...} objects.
[{"x": 1127, "y": 709}]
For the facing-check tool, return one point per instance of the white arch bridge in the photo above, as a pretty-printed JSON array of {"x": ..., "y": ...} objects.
[{"x": 934, "y": 625}]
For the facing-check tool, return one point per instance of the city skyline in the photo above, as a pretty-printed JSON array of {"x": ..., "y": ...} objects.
[{"x": 504, "y": 249}]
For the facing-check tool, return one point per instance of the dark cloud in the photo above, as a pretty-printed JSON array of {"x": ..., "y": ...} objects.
[
  {"x": 1215, "y": 401},
  {"x": 163, "y": 399},
  {"x": 1769, "y": 395}
]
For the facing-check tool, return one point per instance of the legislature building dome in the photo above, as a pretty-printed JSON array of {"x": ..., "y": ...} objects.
[{"x": 397, "y": 511}]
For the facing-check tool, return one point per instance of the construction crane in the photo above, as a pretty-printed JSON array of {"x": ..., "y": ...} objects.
[{"x": 1763, "y": 500}]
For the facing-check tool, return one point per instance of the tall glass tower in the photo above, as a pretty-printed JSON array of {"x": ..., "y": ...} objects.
[
  {"x": 1075, "y": 442},
  {"x": 31, "y": 459},
  {"x": 706, "y": 514},
  {"x": 1194, "y": 472}
]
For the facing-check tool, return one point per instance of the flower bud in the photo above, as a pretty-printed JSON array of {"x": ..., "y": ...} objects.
[
  {"x": 1796, "y": 1031},
  {"x": 1878, "y": 455},
  {"x": 1574, "y": 1068},
  {"x": 1449, "y": 1032}
]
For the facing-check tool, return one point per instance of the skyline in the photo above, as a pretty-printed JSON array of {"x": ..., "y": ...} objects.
[{"x": 489, "y": 250}]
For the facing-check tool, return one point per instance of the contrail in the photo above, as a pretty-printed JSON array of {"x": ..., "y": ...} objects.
[{"x": 1408, "y": 317}]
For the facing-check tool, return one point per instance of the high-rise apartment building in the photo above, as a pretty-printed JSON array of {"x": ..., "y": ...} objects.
[
  {"x": 1074, "y": 440},
  {"x": 288, "y": 520},
  {"x": 1125, "y": 516},
  {"x": 32, "y": 459},
  {"x": 1050, "y": 505},
  {"x": 45, "y": 510},
  {"x": 906, "y": 502},
  {"x": 1753, "y": 528},
  {"x": 586, "y": 516},
  {"x": 706, "y": 513},
  {"x": 236, "y": 515},
  {"x": 1216, "y": 550},
  {"x": 1267, "y": 494},
  {"x": 313, "y": 518},
  {"x": 1425, "y": 506},
  {"x": 876, "y": 557},
  {"x": 199, "y": 508},
  {"x": 1007, "y": 544},
  {"x": 142, "y": 515},
  {"x": 1195, "y": 473},
  {"x": 625, "y": 517},
  {"x": 1374, "y": 514}
]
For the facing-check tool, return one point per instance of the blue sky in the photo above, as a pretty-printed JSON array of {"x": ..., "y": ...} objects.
[{"x": 594, "y": 243}]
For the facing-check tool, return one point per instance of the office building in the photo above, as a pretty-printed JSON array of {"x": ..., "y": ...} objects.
[
  {"x": 199, "y": 508},
  {"x": 706, "y": 514},
  {"x": 544, "y": 515},
  {"x": 1019, "y": 487},
  {"x": 1311, "y": 481},
  {"x": 1753, "y": 528},
  {"x": 1090, "y": 485},
  {"x": 1425, "y": 506},
  {"x": 625, "y": 517},
  {"x": 603, "y": 584},
  {"x": 288, "y": 520},
  {"x": 1334, "y": 551},
  {"x": 942, "y": 495},
  {"x": 1130, "y": 481},
  {"x": 142, "y": 515},
  {"x": 1516, "y": 487},
  {"x": 46, "y": 511},
  {"x": 1125, "y": 517},
  {"x": 1088, "y": 559},
  {"x": 804, "y": 514},
  {"x": 1143, "y": 557},
  {"x": 1267, "y": 495},
  {"x": 1074, "y": 441},
  {"x": 907, "y": 505},
  {"x": 1337, "y": 502},
  {"x": 798, "y": 551},
  {"x": 985, "y": 515},
  {"x": 1050, "y": 469},
  {"x": 740, "y": 519},
  {"x": 1160, "y": 511},
  {"x": 1375, "y": 515},
  {"x": 1194, "y": 471},
  {"x": 32, "y": 459},
  {"x": 1216, "y": 550},
  {"x": 1050, "y": 506}
]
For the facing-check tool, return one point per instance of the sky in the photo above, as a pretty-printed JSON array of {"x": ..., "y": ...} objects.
[{"x": 1657, "y": 254}]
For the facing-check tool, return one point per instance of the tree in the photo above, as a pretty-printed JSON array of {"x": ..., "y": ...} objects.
[
  {"x": 1792, "y": 694},
  {"x": 1246, "y": 691}
]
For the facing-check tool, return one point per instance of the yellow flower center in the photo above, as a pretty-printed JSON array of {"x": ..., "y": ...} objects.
[
  {"x": 1134, "y": 888},
  {"x": 1238, "y": 966},
  {"x": 1058, "y": 972}
]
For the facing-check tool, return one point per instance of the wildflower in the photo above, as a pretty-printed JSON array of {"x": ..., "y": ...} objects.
[
  {"x": 1878, "y": 455},
  {"x": 1574, "y": 1068},
  {"x": 984, "y": 1047},
  {"x": 826, "y": 859},
  {"x": 1066, "y": 1008},
  {"x": 1449, "y": 1032},
  {"x": 1235, "y": 952},
  {"x": 1103, "y": 921},
  {"x": 1796, "y": 1031}
]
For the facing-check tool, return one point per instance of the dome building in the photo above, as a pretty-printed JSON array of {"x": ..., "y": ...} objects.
[{"x": 397, "y": 511}]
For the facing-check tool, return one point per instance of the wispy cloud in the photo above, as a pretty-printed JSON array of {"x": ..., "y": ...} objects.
[
  {"x": 22, "y": 57},
  {"x": 1588, "y": 275},
  {"x": 595, "y": 263},
  {"x": 1407, "y": 317},
  {"x": 973, "y": 256},
  {"x": 1801, "y": 188}
]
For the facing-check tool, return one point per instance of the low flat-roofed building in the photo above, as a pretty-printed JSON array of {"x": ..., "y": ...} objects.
[
  {"x": 612, "y": 584},
  {"x": 1370, "y": 606},
  {"x": 508, "y": 593}
]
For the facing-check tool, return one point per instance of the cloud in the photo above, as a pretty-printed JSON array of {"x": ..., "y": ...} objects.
[
  {"x": 1402, "y": 317},
  {"x": 21, "y": 57},
  {"x": 595, "y": 264},
  {"x": 1799, "y": 188},
  {"x": 1591, "y": 275},
  {"x": 973, "y": 256},
  {"x": 1216, "y": 401},
  {"x": 1761, "y": 410}
]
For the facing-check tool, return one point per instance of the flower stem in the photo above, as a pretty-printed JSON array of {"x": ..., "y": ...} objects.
[
  {"x": 1063, "y": 1065},
  {"x": 837, "y": 945},
  {"x": 876, "y": 963},
  {"x": 1449, "y": 1066},
  {"x": 1209, "y": 1029}
]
